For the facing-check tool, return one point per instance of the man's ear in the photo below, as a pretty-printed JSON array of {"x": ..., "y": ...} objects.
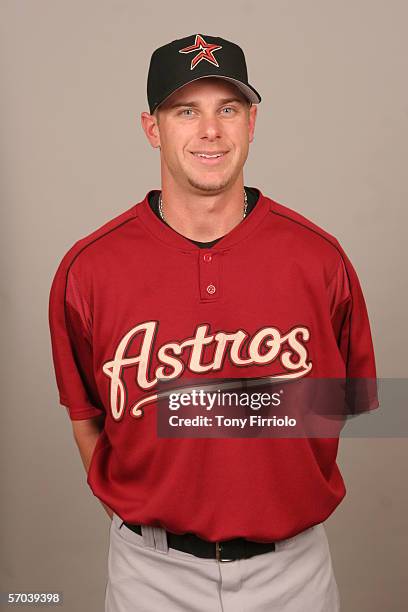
[
  {"x": 252, "y": 120},
  {"x": 151, "y": 129}
]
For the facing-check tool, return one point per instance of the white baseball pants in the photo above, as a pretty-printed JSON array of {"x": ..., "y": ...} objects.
[{"x": 145, "y": 575}]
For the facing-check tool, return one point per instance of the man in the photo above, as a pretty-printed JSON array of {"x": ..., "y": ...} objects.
[{"x": 207, "y": 279}]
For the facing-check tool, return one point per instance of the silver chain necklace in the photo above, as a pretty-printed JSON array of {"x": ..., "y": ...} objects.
[{"x": 162, "y": 214}]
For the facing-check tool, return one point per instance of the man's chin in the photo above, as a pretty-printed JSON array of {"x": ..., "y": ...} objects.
[{"x": 209, "y": 186}]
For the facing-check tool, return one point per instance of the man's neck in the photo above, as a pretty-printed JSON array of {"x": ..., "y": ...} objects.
[
  {"x": 203, "y": 217},
  {"x": 252, "y": 196}
]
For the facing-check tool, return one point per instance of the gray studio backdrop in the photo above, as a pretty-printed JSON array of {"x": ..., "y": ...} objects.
[{"x": 330, "y": 142}]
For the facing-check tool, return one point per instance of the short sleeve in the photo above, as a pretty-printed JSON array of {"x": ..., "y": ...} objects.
[
  {"x": 353, "y": 334},
  {"x": 70, "y": 323}
]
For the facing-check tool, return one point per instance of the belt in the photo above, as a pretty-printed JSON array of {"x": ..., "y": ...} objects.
[{"x": 226, "y": 550}]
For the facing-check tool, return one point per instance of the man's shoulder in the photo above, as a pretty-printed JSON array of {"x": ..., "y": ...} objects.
[
  {"x": 300, "y": 223},
  {"x": 112, "y": 229},
  {"x": 85, "y": 251},
  {"x": 303, "y": 229}
]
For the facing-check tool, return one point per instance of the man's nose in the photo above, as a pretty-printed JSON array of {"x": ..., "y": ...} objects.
[{"x": 210, "y": 127}]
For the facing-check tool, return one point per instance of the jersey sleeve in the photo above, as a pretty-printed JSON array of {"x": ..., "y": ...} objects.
[
  {"x": 70, "y": 323},
  {"x": 353, "y": 334}
]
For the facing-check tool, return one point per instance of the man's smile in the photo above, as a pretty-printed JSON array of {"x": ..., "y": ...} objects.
[{"x": 209, "y": 159}]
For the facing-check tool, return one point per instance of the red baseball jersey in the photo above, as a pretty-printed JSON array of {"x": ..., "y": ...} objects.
[{"x": 135, "y": 302}]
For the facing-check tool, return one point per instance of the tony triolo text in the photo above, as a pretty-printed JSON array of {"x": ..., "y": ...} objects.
[{"x": 254, "y": 420}]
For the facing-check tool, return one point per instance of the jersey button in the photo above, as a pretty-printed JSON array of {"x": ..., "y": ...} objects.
[
  {"x": 211, "y": 289},
  {"x": 207, "y": 257}
]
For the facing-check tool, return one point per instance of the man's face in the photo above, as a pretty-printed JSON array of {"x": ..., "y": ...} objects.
[{"x": 209, "y": 116}]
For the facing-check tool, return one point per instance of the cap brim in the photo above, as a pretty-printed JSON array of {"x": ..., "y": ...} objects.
[{"x": 249, "y": 92}]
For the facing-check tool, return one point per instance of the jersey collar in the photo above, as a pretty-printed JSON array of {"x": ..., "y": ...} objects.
[{"x": 166, "y": 234}]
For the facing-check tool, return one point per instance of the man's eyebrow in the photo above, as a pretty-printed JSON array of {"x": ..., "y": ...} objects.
[{"x": 196, "y": 102}]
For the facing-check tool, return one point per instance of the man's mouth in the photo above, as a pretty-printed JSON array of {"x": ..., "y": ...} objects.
[{"x": 209, "y": 158}]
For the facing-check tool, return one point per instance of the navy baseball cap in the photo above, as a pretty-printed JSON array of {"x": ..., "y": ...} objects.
[{"x": 195, "y": 57}]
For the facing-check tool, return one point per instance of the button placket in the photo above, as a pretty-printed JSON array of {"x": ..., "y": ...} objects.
[{"x": 209, "y": 276}]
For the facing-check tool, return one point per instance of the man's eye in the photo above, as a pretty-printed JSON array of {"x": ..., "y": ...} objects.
[
  {"x": 186, "y": 110},
  {"x": 229, "y": 108}
]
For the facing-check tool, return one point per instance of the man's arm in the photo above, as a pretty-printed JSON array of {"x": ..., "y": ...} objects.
[{"x": 86, "y": 433}]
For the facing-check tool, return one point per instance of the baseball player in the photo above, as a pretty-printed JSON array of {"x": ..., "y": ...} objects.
[{"x": 207, "y": 279}]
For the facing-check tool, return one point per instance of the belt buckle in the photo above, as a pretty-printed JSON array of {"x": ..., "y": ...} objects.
[{"x": 218, "y": 552}]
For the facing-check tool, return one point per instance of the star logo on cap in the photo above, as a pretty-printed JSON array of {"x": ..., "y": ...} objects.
[{"x": 205, "y": 49}]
